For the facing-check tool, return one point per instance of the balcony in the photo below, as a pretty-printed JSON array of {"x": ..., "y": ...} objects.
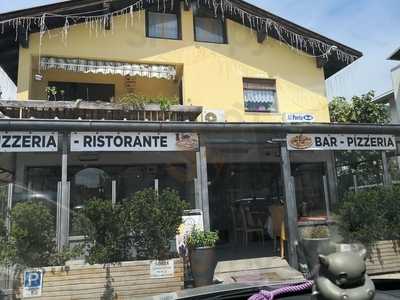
[
  {"x": 79, "y": 88},
  {"x": 42, "y": 109}
]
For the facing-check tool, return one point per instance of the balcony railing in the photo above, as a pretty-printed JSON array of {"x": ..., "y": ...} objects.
[{"x": 40, "y": 109}]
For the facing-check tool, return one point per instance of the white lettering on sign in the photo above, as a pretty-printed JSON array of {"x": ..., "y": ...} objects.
[
  {"x": 162, "y": 268},
  {"x": 340, "y": 142},
  {"x": 17, "y": 141},
  {"x": 299, "y": 118},
  {"x": 133, "y": 141}
]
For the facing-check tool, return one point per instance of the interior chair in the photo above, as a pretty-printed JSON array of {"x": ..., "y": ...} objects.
[{"x": 250, "y": 225}]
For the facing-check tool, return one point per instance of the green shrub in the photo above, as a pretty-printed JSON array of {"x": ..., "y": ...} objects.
[
  {"x": 156, "y": 220},
  {"x": 315, "y": 232},
  {"x": 31, "y": 241},
  {"x": 370, "y": 216},
  {"x": 147, "y": 222},
  {"x": 107, "y": 229},
  {"x": 198, "y": 238}
]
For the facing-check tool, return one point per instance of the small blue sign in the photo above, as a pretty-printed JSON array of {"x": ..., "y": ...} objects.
[{"x": 33, "y": 279}]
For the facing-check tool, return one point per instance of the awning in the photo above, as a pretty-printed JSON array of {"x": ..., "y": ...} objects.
[{"x": 108, "y": 67}]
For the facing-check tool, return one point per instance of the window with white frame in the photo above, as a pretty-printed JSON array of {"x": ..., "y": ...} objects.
[
  {"x": 163, "y": 24},
  {"x": 208, "y": 27},
  {"x": 259, "y": 95}
]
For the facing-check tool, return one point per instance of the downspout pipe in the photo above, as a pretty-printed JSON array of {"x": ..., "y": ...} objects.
[{"x": 121, "y": 126}]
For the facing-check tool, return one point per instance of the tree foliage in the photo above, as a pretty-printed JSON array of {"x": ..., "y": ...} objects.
[
  {"x": 360, "y": 109},
  {"x": 31, "y": 240},
  {"x": 366, "y": 165},
  {"x": 370, "y": 215}
]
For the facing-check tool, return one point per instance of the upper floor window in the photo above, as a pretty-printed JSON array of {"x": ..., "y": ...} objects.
[
  {"x": 163, "y": 24},
  {"x": 259, "y": 95},
  {"x": 208, "y": 27}
]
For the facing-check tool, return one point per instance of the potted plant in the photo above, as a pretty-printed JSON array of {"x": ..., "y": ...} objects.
[
  {"x": 203, "y": 260},
  {"x": 315, "y": 240}
]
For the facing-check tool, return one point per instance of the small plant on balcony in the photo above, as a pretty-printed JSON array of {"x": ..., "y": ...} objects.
[
  {"x": 139, "y": 101},
  {"x": 51, "y": 93}
]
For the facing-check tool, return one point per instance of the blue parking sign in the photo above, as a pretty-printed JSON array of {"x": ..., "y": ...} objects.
[{"x": 33, "y": 280}]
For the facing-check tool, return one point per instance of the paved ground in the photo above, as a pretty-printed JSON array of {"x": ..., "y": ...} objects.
[{"x": 265, "y": 269}]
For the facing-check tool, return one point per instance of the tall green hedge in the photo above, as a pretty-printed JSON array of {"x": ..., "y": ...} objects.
[{"x": 371, "y": 215}]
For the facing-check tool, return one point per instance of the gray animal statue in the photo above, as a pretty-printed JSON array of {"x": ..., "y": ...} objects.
[{"x": 342, "y": 276}]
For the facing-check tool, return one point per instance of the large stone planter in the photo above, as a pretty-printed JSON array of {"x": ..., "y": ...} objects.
[
  {"x": 120, "y": 281},
  {"x": 202, "y": 263},
  {"x": 313, "y": 247},
  {"x": 384, "y": 258}
]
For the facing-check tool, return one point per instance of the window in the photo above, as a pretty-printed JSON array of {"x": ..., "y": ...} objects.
[
  {"x": 71, "y": 91},
  {"x": 259, "y": 95},
  {"x": 163, "y": 24},
  {"x": 208, "y": 27}
]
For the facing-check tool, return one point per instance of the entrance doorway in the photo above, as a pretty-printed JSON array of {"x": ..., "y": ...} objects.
[{"x": 246, "y": 208}]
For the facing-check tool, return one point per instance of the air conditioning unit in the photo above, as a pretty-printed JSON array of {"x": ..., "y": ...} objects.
[{"x": 213, "y": 115}]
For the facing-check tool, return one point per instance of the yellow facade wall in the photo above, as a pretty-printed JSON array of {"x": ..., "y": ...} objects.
[{"x": 212, "y": 73}]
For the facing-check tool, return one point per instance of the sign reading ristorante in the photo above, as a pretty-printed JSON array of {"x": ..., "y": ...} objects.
[
  {"x": 133, "y": 141},
  {"x": 340, "y": 142},
  {"x": 21, "y": 141}
]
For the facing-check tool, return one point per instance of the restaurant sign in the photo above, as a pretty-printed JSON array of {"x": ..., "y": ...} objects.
[
  {"x": 133, "y": 141},
  {"x": 340, "y": 142},
  {"x": 21, "y": 141}
]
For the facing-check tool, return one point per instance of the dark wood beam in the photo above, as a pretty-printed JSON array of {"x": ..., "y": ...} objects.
[
  {"x": 321, "y": 61},
  {"x": 23, "y": 37},
  {"x": 261, "y": 36},
  {"x": 107, "y": 9}
]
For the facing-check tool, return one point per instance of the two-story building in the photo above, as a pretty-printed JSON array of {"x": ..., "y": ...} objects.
[{"x": 116, "y": 96}]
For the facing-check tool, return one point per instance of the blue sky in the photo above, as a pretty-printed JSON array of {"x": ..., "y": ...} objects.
[{"x": 371, "y": 26}]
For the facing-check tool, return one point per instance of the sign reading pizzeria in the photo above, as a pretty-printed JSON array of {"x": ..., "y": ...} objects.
[
  {"x": 340, "y": 142},
  {"x": 133, "y": 141},
  {"x": 21, "y": 141}
]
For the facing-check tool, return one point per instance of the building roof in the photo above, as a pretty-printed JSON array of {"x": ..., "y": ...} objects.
[
  {"x": 277, "y": 26},
  {"x": 385, "y": 97},
  {"x": 395, "y": 55}
]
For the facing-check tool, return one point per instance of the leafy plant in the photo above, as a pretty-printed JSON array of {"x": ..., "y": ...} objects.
[
  {"x": 156, "y": 218},
  {"x": 315, "y": 232},
  {"x": 30, "y": 242},
  {"x": 51, "y": 92},
  {"x": 147, "y": 222},
  {"x": 108, "y": 231},
  {"x": 370, "y": 215},
  {"x": 139, "y": 101},
  {"x": 198, "y": 238}
]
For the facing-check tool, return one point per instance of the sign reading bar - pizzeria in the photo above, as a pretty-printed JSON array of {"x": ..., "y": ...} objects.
[
  {"x": 340, "y": 142},
  {"x": 18, "y": 141},
  {"x": 133, "y": 141}
]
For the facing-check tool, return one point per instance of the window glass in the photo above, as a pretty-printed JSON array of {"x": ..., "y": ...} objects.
[
  {"x": 163, "y": 25},
  {"x": 209, "y": 30},
  {"x": 259, "y": 95},
  {"x": 208, "y": 27}
]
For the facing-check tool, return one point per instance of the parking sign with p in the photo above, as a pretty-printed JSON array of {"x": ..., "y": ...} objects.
[{"x": 33, "y": 281}]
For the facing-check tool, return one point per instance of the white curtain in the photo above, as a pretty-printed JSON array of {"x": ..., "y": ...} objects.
[
  {"x": 209, "y": 30},
  {"x": 260, "y": 100},
  {"x": 163, "y": 25}
]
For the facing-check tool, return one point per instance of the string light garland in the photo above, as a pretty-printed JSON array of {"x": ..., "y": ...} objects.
[{"x": 297, "y": 42}]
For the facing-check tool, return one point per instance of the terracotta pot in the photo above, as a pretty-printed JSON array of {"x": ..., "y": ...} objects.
[{"x": 203, "y": 262}]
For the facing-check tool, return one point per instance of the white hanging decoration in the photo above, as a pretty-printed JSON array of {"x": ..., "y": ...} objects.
[{"x": 295, "y": 41}]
